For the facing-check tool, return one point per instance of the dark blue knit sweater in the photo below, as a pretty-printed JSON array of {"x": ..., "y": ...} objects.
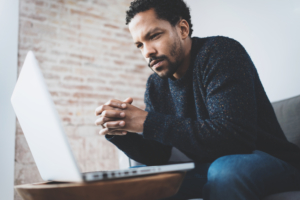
[{"x": 219, "y": 107}]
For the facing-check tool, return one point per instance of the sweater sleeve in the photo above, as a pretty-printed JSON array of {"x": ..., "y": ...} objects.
[
  {"x": 140, "y": 149},
  {"x": 148, "y": 152},
  {"x": 226, "y": 80}
]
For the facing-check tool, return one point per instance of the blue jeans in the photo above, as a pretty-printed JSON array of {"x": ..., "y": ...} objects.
[{"x": 242, "y": 176}]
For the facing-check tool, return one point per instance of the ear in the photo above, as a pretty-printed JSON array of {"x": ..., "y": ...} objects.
[{"x": 184, "y": 28}]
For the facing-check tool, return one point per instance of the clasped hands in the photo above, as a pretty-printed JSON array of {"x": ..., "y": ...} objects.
[{"x": 118, "y": 118}]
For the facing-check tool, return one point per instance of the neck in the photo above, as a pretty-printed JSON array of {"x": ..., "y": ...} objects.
[{"x": 186, "y": 60}]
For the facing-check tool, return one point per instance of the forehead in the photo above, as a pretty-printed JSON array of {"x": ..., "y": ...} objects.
[{"x": 144, "y": 22}]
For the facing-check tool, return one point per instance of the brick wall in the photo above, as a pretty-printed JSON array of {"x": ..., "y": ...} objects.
[{"x": 87, "y": 56}]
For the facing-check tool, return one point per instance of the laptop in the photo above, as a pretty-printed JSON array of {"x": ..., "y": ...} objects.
[{"x": 47, "y": 140}]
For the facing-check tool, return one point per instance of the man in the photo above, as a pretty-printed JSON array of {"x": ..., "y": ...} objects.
[{"x": 204, "y": 98}]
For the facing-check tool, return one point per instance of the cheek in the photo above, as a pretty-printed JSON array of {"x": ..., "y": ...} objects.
[{"x": 163, "y": 48}]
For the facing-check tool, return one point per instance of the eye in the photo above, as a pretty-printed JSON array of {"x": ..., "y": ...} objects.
[
  {"x": 154, "y": 36},
  {"x": 139, "y": 45}
]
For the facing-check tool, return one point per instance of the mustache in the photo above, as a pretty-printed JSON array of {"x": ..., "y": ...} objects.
[{"x": 156, "y": 58}]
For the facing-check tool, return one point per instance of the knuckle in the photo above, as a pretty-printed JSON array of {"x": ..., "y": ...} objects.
[
  {"x": 97, "y": 110},
  {"x": 107, "y": 103},
  {"x": 101, "y": 108},
  {"x": 104, "y": 131}
]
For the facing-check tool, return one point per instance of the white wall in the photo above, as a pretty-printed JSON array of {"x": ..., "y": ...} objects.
[
  {"x": 9, "y": 16},
  {"x": 268, "y": 29}
]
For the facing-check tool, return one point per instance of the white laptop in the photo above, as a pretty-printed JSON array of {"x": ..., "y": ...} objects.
[{"x": 46, "y": 138}]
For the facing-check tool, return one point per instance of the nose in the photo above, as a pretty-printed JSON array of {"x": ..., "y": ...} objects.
[{"x": 148, "y": 51}]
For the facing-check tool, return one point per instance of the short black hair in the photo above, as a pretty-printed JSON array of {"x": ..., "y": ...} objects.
[{"x": 170, "y": 10}]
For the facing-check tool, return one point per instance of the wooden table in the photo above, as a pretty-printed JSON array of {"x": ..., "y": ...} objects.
[{"x": 138, "y": 188}]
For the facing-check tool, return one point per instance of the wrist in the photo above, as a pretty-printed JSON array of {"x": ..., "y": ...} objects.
[{"x": 142, "y": 121}]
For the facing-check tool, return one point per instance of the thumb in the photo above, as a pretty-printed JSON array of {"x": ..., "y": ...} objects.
[{"x": 128, "y": 100}]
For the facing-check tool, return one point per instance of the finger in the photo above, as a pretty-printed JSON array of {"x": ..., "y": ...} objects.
[
  {"x": 113, "y": 114},
  {"x": 115, "y": 103},
  {"x": 102, "y": 120},
  {"x": 106, "y": 131},
  {"x": 100, "y": 109},
  {"x": 128, "y": 100},
  {"x": 115, "y": 124},
  {"x": 119, "y": 133}
]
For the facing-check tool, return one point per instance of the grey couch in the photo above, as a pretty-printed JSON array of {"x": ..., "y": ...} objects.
[{"x": 288, "y": 115}]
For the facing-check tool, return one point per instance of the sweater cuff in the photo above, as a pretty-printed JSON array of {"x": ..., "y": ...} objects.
[
  {"x": 116, "y": 138},
  {"x": 155, "y": 127},
  {"x": 109, "y": 137}
]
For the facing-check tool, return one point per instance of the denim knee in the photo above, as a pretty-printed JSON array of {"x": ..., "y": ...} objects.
[
  {"x": 225, "y": 171},
  {"x": 228, "y": 179}
]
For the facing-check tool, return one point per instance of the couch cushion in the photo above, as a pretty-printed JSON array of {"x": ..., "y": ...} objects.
[{"x": 288, "y": 115}]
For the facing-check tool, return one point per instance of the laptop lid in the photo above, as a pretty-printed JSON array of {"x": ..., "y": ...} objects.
[{"x": 41, "y": 125}]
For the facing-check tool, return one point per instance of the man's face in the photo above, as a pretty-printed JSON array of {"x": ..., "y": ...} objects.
[{"x": 158, "y": 41}]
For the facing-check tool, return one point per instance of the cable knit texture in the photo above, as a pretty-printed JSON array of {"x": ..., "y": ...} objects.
[{"x": 219, "y": 107}]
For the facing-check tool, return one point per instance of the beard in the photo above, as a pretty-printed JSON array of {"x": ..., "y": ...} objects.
[{"x": 176, "y": 51}]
